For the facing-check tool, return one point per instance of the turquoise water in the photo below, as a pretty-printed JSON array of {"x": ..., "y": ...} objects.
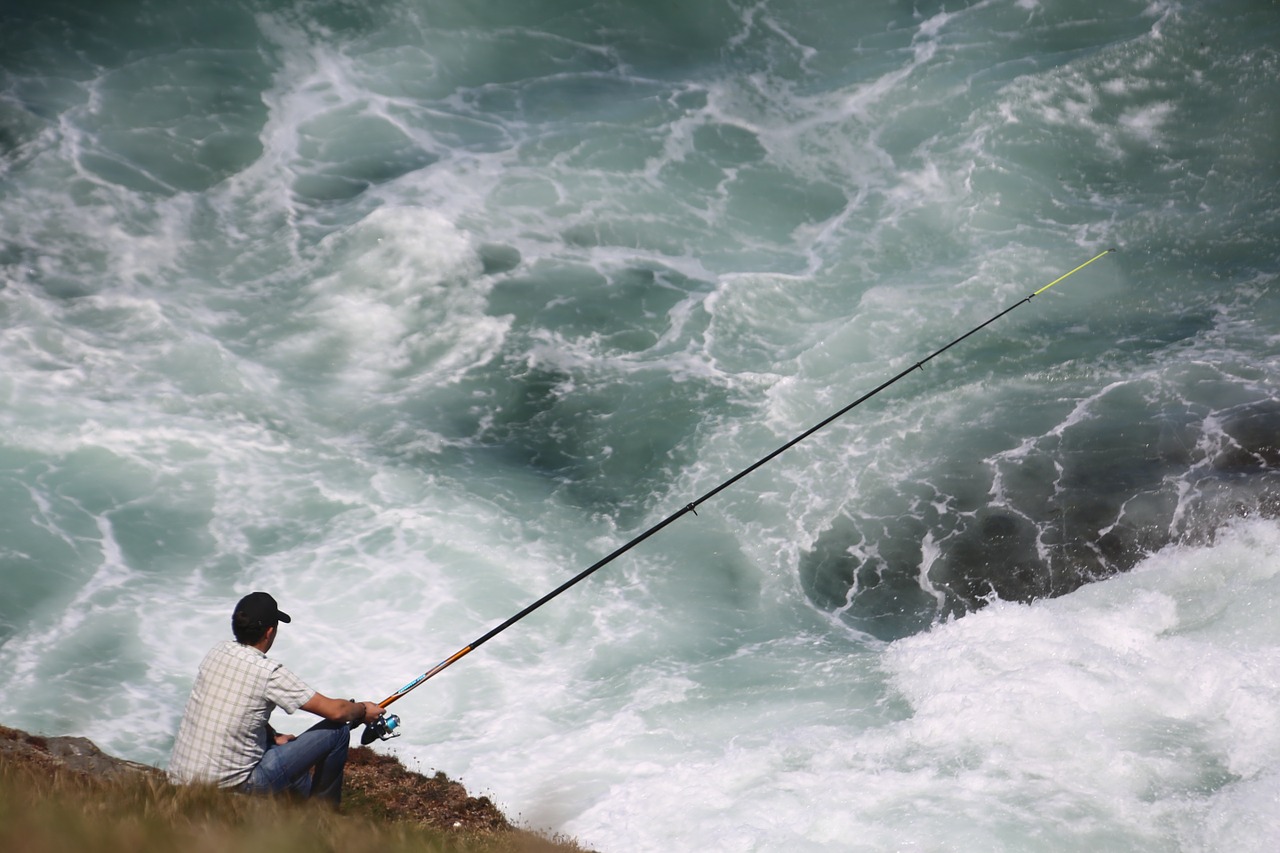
[{"x": 409, "y": 313}]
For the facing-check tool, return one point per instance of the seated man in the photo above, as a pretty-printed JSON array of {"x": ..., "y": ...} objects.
[{"x": 225, "y": 737}]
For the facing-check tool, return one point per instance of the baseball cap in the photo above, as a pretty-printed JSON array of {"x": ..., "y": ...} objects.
[{"x": 260, "y": 608}]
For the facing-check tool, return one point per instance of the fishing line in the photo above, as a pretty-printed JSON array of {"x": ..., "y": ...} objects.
[{"x": 385, "y": 727}]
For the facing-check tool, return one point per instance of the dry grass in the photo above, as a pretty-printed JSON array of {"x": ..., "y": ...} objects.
[{"x": 46, "y": 808}]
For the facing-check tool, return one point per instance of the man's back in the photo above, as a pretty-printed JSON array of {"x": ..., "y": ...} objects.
[{"x": 224, "y": 730}]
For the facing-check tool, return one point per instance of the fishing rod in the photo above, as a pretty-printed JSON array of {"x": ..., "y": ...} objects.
[{"x": 384, "y": 728}]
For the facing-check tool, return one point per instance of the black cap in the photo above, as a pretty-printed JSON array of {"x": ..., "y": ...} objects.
[{"x": 260, "y": 608}]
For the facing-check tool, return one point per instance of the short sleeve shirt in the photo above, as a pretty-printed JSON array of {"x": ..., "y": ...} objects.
[{"x": 224, "y": 730}]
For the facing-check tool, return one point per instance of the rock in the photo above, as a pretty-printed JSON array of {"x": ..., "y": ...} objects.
[{"x": 77, "y": 754}]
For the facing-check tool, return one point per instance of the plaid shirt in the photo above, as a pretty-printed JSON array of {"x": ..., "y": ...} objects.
[{"x": 224, "y": 730}]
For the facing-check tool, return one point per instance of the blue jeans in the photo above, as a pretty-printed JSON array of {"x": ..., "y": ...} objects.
[{"x": 310, "y": 765}]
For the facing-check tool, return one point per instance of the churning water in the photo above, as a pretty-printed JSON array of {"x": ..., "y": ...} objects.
[{"x": 409, "y": 311}]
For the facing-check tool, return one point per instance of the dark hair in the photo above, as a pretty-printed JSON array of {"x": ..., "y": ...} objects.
[{"x": 247, "y": 629}]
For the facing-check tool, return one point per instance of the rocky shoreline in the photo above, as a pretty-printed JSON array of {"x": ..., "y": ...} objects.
[
  {"x": 377, "y": 786},
  {"x": 76, "y": 754}
]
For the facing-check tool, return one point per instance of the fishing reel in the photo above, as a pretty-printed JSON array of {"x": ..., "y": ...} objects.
[{"x": 383, "y": 728}]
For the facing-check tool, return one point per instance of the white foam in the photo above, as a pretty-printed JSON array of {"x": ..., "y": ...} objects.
[
  {"x": 1138, "y": 712},
  {"x": 403, "y": 299}
]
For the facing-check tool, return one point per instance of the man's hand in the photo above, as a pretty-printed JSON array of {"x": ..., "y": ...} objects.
[
  {"x": 369, "y": 712},
  {"x": 281, "y": 740}
]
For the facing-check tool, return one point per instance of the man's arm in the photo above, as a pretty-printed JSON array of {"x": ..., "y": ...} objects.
[{"x": 343, "y": 710}]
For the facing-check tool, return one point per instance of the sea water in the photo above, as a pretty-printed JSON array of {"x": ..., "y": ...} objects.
[{"x": 407, "y": 312}]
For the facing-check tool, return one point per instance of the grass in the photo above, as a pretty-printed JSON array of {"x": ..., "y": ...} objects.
[{"x": 45, "y": 808}]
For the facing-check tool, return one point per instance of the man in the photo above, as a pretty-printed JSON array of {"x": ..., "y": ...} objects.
[{"x": 226, "y": 738}]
